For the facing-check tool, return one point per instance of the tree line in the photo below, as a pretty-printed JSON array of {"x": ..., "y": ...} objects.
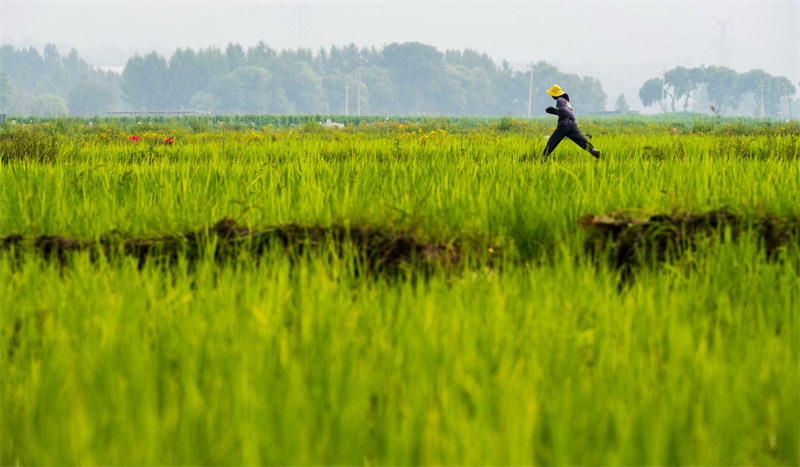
[
  {"x": 398, "y": 79},
  {"x": 53, "y": 84},
  {"x": 720, "y": 90}
]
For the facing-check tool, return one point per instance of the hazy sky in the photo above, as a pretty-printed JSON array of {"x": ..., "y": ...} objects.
[{"x": 622, "y": 43}]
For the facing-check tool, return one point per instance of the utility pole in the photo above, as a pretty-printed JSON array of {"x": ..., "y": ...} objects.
[
  {"x": 346, "y": 98},
  {"x": 761, "y": 88},
  {"x": 358, "y": 91},
  {"x": 530, "y": 90},
  {"x": 663, "y": 84},
  {"x": 785, "y": 103}
]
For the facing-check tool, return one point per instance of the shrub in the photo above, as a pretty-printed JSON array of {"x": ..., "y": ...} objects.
[{"x": 28, "y": 143}]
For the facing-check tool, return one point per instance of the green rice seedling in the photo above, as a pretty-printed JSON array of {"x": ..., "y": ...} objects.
[
  {"x": 527, "y": 350},
  {"x": 286, "y": 361},
  {"x": 430, "y": 186}
]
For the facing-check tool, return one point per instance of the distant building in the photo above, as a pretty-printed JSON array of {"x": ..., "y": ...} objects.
[
  {"x": 330, "y": 124},
  {"x": 157, "y": 113}
]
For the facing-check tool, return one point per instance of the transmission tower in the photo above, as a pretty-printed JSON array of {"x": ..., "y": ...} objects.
[
  {"x": 723, "y": 41},
  {"x": 301, "y": 10}
]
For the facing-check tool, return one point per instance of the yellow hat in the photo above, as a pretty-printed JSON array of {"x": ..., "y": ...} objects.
[{"x": 555, "y": 91}]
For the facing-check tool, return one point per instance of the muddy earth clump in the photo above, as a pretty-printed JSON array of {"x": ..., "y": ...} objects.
[
  {"x": 375, "y": 248},
  {"x": 627, "y": 238},
  {"x": 632, "y": 238}
]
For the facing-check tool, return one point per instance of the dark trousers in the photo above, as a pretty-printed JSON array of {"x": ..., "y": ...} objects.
[{"x": 566, "y": 131}]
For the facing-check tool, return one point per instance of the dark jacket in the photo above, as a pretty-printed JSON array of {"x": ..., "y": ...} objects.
[{"x": 564, "y": 111}]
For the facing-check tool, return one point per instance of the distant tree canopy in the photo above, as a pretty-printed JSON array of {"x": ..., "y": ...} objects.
[
  {"x": 399, "y": 79},
  {"x": 722, "y": 88},
  {"x": 50, "y": 84}
]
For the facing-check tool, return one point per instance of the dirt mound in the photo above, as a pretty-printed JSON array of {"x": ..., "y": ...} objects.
[
  {"x": 633, "y": 238},
  {"x": 629, "y": 238},
  {"x": 376, "y": 248}
]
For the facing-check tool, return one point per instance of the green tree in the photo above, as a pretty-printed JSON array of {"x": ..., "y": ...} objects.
[
  {"x": 144, "y": 82},
  {"x": 245, "y": 90},
  {"x": 512, "y": 95},
  {"x": 48, "y": 105},
  {"x": 210, "y": 64},
  {"x": 759, "y": 84},
  {"x": 651, "y": 93},
  {"x": 74, "y": 65},
  {"x": 52, "y": 59},
  {"x": 261, "y": 56},
  {"x": 333, "y": 86},
  {"x": 382, "y": 99},
  {"x": 182, "y": 79},
  {"x": 478, "y": 92},
  {"x": 89, "y": 98},
  {"x": 722, "y": 88},
  {"x": 203, "y": 101},
  {"x": 22, "y": 103},
  {"x": 777, "y": 92},
  {"x": 681, "y": 82},
  {"x": 52, "y": 84},
  {"x": 342, "y": 60},
  {"x": 6, "y": 93},
  {"x": 621, "y": 105},
  {"x": 302, "y": 86},
  {"x": 25, "y": 67},
  {"x": 471, "y": 59},
  {"x": 421, "y": 81},
  {"x": 235, "y": 56},
  {"x": 339, "y": 69},
  {"x": 591, "y": 95}
]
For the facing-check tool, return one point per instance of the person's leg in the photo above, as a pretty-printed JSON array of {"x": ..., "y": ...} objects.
[
  {"x": 555, "y": 138},
  {"x": 576, "y": 136}
]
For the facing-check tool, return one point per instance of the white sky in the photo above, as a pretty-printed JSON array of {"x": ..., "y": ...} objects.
[{"x": 622, "y": 43}]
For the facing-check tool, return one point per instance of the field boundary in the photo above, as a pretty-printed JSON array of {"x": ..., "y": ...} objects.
[{"x": 627, "y": 238}]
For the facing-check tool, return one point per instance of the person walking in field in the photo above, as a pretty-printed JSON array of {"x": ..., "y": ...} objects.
[{"x": 567, "y": 125}]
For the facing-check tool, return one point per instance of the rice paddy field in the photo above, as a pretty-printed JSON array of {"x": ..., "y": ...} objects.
[{"x": 182, "y": 291}]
